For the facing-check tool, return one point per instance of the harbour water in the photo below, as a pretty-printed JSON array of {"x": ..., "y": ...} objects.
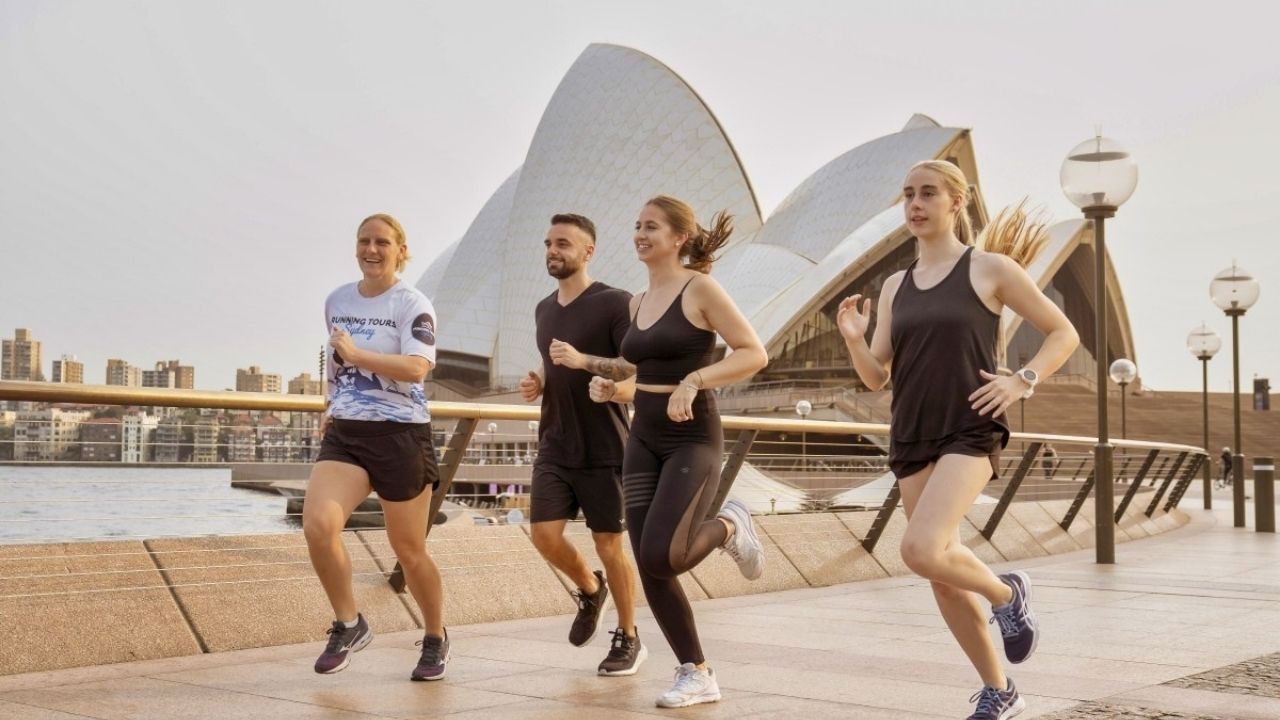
[{"x": 55, "y": 503}]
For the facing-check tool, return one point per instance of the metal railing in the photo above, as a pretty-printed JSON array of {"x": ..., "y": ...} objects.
[{"x": 775, "y": 465}]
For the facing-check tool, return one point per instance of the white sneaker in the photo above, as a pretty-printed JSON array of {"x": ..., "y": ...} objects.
[
  {"x": 743, "y": 546},
  {"x": 692, "y": 687}
]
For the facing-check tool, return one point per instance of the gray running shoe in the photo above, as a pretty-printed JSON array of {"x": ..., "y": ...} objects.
[
  {"x": 996, "y": 704},
  {"x": 342, "y": 642},
  {"x": 435, "y": 655}
]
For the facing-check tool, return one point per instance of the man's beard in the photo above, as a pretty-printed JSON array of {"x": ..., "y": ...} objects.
[{"x": 564, "y": 270}]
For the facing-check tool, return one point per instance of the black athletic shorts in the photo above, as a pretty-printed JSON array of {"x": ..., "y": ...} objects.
[
  {"x": 909, "y": 458},
  {"x": 558, "y": 492},
  {"x": 399, "y": 457}
]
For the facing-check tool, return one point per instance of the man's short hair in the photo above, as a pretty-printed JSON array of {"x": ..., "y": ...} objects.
[{"x": 581, "y": 222}]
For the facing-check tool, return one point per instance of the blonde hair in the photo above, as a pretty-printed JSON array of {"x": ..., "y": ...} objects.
[
  {"x": 703, "y": 243},
  {"x": 1014, "y": 231},
  {"x": 395, "y": 228}
]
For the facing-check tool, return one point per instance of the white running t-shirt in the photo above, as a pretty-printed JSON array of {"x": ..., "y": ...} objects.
[{"x": 400, "y": 321}]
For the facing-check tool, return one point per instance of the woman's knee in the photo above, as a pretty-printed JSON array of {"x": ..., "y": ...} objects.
[
  {"x": 410, "y": 554},
  {"x": 921, "y": 555},
  {"x": 321, "y": 530},
  {"x": 655, "y": 561}
]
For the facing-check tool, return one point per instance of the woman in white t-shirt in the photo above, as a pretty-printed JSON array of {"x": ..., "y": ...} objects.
[{"x": 377, "y": 436}]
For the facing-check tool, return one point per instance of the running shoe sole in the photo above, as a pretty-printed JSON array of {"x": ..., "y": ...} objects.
[
  {"x": 749, "y": 527},
  {"x": 704, "y": 698}
]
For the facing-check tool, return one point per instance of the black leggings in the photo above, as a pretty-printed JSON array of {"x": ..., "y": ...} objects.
[{"x": 670, "y": 473}]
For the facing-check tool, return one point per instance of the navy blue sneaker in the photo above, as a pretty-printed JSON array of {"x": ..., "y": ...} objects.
[
  {"x": 1017, "y": 623},
  {"x": 996, "y": 704}
]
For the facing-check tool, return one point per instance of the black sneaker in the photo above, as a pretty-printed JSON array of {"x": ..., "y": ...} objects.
[
  {"x": 342, "y": 642},
  {"x": 590, "y": 610},
  {"x": 996, "y": 704},
  {"x": 435, "y": 655},
  {"x": 1018, "y": 624},
  {"x": 625, "y": 655}
]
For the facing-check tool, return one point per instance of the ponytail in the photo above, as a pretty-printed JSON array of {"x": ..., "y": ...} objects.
[
  {"x": 1014, "y": 232},
  {"x": 704, "y": 243}
]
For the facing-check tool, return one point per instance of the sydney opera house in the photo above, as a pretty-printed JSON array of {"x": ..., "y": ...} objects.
[{"x": 622, "y": 127}]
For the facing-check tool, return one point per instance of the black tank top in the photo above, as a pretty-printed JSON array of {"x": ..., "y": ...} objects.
[
  {"x": 668, "y": 350},
  {"x": 941, "y": 338}
]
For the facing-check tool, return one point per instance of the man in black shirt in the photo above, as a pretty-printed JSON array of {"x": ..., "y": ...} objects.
[{"x": 580, "y": 442}]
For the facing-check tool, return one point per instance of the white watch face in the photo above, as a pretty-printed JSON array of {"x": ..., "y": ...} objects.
[{"x": 1029, "y": 375}]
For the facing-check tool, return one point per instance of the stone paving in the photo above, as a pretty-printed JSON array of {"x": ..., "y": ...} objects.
[{"x": 1181, "y": 627}]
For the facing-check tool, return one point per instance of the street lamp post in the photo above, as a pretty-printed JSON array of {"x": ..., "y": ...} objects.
[
  {"x": 1204, "y": 344},
  {"x": 1123, "y": 372},
  {"x": 803, "y": 408},
  {"x": 493, "y": 451},
  {"x": 533, "y": 443},
  {"x": 1234, "y": 291},
  {"x": 1098, "y": 176}
]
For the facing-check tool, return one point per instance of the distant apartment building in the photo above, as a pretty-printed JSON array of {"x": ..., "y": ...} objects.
[
  {"x": 137, "y": 435},
  {"x": 7, "y": 420},
  {"x": 168, "y": 440},
  {"x": 239, "y": 439},
  {"x": 273, "y": 439},
  {"x": 122, "y": 373},
  {"x": 254, "y": 380},
  {"x": 205, "y": 447},
  {"x": 303, "y": 428},
  {"x": 100, "y": 440},
  {"x": 20, "y": 357},
  {"x": 49, "y": 434},
  {"x": 305, "y": 385},
  {"x": 68, "y": 370},
  {"x": 170, "y": 374}
]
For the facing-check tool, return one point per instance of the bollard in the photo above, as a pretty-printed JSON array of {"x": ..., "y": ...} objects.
[{"x": 1264, "y": 494}]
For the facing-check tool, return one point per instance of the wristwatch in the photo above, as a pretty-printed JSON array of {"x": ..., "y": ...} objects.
[{"x": 1030, "y": 377}]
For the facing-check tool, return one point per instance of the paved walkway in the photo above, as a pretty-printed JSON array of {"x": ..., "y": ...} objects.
[{"x": 1120, "y": 642}]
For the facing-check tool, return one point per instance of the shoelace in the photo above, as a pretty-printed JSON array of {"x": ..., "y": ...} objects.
[
  {"x": 988, "y": 699},
  {"x": 338, "y": 637},
  {"x": 1012, "y": 619},
  {"x": 686, "y": 680},
  {"x": 732, "y": 551},
  {"x": 432, "y": 652},
  {"x": 621, "y": 646},
  {"x": 584, "y": 599}
]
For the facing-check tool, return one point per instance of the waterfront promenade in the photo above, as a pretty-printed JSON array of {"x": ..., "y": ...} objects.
[{"x": 1163, "y": 631}]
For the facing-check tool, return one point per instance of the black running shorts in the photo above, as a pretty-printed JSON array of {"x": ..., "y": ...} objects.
[
  {"x": 909, "y": 458},
  {"x": 399, "y": 457},
  {"x": 558, "y": 492}
]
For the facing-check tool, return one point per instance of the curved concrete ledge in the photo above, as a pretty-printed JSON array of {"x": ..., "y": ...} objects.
[{"x": 77, "y": 604}]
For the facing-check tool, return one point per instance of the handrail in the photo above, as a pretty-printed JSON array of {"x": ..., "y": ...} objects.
[{"x": 23, "y": 391}]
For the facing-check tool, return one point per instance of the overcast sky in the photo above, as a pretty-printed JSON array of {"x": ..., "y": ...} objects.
[{"x": 182, "y": 179}]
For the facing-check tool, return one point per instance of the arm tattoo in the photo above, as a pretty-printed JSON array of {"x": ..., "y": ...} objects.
[{"x": 612, "y": 368}]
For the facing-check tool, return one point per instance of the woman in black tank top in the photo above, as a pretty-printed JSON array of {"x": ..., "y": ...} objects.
[
  {"x": 671, "y": 465},
  {"x": 936, "y": 338}
]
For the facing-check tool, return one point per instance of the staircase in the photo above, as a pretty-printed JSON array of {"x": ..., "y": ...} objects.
[{"x": 1173, "y": 417}]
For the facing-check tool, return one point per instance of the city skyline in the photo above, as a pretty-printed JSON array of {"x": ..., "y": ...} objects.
[{"x": 208, "y": 208}]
